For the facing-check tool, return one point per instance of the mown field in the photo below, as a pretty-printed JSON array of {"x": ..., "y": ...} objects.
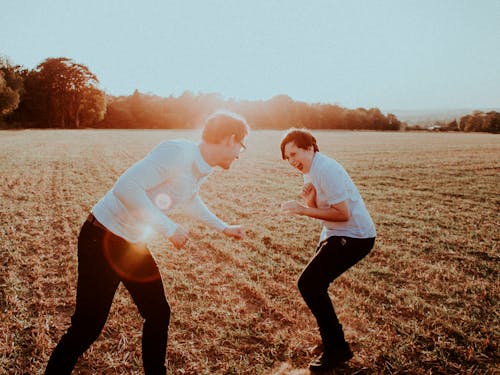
[{"x": 425, "y": 301}]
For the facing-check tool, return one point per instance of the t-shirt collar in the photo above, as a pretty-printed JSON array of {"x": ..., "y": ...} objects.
[
  {"x": 315, "y": 161},
  {"x": 308, "y": 176}
]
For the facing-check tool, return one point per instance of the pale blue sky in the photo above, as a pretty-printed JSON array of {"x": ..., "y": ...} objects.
[{"x": 397, "y": 54}]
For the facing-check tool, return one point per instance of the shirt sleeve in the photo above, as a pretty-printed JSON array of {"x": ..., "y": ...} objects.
[
  {"x": 333, "y": 186},
  {"x": 197, "y": 209},
  {"x": 131, "y": 188}
]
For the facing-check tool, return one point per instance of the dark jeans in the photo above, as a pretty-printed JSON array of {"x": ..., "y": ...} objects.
[
  {"x": 333, "y": 257},
  {"x": 105, "y": 260}
]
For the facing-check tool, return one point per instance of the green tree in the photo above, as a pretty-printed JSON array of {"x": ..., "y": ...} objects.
[
  {"x": 11, "y": 85},
  {"x": 493, "y": 122},
  {"x": 92, "y": 107},
  {"x": 64, "y": 94}
]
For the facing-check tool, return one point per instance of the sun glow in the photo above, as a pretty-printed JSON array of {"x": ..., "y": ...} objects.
[{"x": 132, "y": 262}]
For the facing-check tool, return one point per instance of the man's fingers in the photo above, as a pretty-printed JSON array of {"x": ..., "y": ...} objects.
[{"x": 179, "y": 239}]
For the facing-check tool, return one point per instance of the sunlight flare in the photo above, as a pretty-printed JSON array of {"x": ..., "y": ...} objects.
[{"x": 130, "y": 264}]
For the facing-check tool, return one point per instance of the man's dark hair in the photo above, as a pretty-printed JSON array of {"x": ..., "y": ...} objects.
[{"x": 302, "y": 138}]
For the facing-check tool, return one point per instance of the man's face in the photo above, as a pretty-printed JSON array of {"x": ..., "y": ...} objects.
[
  {"x": 299, "y": 158},
  {"x": 231, "y": 151}
]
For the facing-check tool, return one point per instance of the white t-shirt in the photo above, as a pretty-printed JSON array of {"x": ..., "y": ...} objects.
[
  {"x": 168, "y": 177},
  {"x": 333, "y": 185}
]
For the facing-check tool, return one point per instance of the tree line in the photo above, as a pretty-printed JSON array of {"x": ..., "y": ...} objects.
[
  {"x": 60, "y": 93},
  {"x": 477, "y": 121}
]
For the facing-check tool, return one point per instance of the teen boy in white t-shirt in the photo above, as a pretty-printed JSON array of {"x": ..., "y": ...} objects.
[{"x": 347, "y": 236}]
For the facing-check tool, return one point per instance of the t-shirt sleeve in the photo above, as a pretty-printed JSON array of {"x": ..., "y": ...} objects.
[{"x": 332, "y": 183}]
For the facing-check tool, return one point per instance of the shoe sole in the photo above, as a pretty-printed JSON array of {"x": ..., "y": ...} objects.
[{"x": 338, "y": 363}]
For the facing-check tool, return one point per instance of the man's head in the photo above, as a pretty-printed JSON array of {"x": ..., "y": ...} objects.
[
  {"x": 298, "y": 147},
  {"x": 224, "y": 133}
]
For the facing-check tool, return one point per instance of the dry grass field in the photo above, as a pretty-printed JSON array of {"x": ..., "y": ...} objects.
[{"x": 425, "y": 301}]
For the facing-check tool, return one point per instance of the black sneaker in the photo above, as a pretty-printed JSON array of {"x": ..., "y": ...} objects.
[{"x": 331, "y": 359}]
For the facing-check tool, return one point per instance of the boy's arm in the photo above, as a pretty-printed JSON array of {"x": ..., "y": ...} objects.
[
  {"x": 308, "y": 193},
  {"x": 336, "y": 212}
]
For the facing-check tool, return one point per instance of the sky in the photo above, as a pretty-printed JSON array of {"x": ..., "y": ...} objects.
[{"x": 394, "y": 54}]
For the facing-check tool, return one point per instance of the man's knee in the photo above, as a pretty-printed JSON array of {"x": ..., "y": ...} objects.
[
  {"x": 160, "y": 316},
  {"x": 86, "y": 327}
]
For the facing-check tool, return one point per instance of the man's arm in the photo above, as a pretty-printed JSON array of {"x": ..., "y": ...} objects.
[
  {"x": 156, "y": 168},
  {"x": 198, "y": 210},
  {"x": 131, "y": 188}
]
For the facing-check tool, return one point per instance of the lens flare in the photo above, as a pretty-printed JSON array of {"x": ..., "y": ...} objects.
[
  {"x": 131, "y": 261},
  {"x": 163, "y": 201}
]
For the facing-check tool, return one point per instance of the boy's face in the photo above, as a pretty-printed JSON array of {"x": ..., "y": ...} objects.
[{"x": 299, "y": 158}]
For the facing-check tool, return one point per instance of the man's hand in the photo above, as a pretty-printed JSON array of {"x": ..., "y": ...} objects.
[
  {"x": 309, "y": 194},
  {"x": 293, "y": 207},
  {"x": 180, "y": 237},
  {"x": 235, "y": 231}
]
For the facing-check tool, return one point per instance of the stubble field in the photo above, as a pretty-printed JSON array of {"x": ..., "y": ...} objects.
[{"x": 424, "y": 301}]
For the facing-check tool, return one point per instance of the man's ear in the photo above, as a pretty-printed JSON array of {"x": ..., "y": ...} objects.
[{"x": 229, "y": 141}]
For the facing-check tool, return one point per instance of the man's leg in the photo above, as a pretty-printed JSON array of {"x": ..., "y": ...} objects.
[
  {"x": 146, "y": 288},
  {"x": 96, "y": 287}
]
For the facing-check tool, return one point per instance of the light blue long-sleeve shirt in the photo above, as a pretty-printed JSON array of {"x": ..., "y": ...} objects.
[{"x": 168, "y": 177}]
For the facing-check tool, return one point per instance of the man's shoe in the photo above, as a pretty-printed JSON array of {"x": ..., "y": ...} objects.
[{"x": 331, "y": 359}]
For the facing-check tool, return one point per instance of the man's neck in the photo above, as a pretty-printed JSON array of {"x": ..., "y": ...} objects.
[{"x": 208, "y": 153}]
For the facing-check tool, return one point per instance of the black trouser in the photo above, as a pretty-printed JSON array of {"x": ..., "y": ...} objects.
[
  {"x": 333, "y": 257},
  {"x": 105, "y": 260}
]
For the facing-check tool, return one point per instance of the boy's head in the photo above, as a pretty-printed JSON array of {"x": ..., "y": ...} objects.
[{"x": 302, "y": 138}]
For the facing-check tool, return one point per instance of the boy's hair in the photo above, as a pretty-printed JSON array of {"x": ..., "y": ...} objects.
[
  {"x": 222, "y": 124},
  {"x": 302, "y": 139}
]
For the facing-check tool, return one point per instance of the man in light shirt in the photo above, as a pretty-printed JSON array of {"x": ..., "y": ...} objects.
[
  {"x": 347, "y": 236},
  {"x": 112, "y": 242}
]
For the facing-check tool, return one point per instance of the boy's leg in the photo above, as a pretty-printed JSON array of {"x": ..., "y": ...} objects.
[{"x": 333, "y": 257}]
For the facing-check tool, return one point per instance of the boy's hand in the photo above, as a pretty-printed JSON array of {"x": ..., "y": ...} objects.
[
  {"x": 309, "y": 194},
  {"x": 292, "y": 207}
]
